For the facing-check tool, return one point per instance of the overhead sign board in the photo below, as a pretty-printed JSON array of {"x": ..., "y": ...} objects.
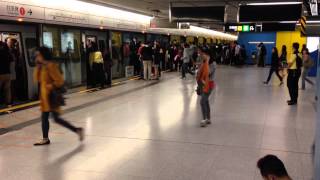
[
  {"x": 32, "y": 13},
  {"x": 240, "y": 28},
  {"x": 21, "y": 11}
]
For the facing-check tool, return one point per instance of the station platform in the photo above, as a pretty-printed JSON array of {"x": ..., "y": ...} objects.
[{"x": 150, "y": 131}]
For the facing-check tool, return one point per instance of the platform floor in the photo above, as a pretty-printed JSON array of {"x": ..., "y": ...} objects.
[{"x": 150, "y": 131}]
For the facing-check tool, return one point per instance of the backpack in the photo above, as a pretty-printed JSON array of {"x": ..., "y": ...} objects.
[{"x": 299, "y": 61}]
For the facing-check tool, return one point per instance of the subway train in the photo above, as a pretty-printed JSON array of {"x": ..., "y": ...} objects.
[{"x": 68, "y": 33}]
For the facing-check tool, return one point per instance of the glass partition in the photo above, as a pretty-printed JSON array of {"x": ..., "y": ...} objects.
[{"x": 65, "y": 46}]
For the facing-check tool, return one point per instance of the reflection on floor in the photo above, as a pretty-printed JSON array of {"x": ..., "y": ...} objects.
[{"x": 150, "y": 131}]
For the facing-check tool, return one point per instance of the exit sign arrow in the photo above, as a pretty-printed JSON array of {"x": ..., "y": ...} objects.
[{"x": 30, "y": 12}]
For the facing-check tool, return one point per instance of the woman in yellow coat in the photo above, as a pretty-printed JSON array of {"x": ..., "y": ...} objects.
[{"x": 48, "y": 75}]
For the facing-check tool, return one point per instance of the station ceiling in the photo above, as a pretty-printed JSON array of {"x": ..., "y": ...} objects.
[{"x": 160, "y": 8}]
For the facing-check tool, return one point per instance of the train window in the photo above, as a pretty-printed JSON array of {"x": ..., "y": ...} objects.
[
  {"x": 102, "y": 45},
  {"x": 31, "y": 45}
]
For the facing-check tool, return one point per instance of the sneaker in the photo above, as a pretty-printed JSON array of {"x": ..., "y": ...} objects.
[
  {"x": 208, "y": 121},
  {"x": 42, "y": 142},
  {"x": 265, "y": 82},
  {"x": 80, "y": 133},
  {"x": 203, "y": 123}
]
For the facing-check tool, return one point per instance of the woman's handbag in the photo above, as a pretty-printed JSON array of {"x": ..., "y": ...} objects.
[
  {"x": 212, "y": 85},
  {"x": 199, "y": 89},
  {"x": 56, "y": 97}
]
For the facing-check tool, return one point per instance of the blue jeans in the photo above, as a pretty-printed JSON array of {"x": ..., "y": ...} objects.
[{"x": 205, "y": 105}]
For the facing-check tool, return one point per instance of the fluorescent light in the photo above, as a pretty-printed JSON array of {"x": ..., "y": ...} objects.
[
  {"x": 258, "y": 42},
  {"x": 82, "y": 7},
  {"x": 273, "y": 3},
  {"x": 209, "y": 32},
  {"x": 287, "y": 22},
  {"x": 313, "y": 22}
]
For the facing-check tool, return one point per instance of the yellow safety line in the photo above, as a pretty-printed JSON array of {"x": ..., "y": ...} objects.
[
  {"x": 19, "y": 106},
  {"x": 13, "y": 108}
]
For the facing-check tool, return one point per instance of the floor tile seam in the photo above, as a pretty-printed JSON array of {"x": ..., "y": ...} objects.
[
  {"x": 199, "y": 143},
  {"x": 264, "y": 126}
]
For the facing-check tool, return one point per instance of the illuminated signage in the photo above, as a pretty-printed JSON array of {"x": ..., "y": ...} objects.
[{"x": 240, "y": 28}]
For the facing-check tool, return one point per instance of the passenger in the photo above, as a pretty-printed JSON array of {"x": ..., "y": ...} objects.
[
  {"x": 186, "y": 58},
  {"x": 126, "y": 52},
  {"x": 134, "y": 58},
  {"x": 48, "y": 75},
  {"x": 141, "y": 45},
  {"x": 304, "y": 47},
  {"x": 262, "y": 53},
  {"x": 157, "y": 59},
  {"x": 307, "y": 65},
  {"x": 5, "y": 75},
  {"x": 283, "y": 59},
  {"x": 294, "y": 73},
  {"x": 205, "y": 79},
  {"x": 96, "y": 65},
  {"x": 108, "y": 63},
  {"x": 237, "y": 54},
  {"x": 14, "y": 58},
  {"x": 272, "y": 168},
  {"x": 274, "y": 66},
  {"x": 146, "y": 54}
]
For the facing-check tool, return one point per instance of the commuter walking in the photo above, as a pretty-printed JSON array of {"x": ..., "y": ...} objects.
[
  {"x": 205, "y": 80},
  {"x": 186, "y": 59},
  {"x": 275, "y": 63},
  {"x": 147, "y": 56},
  {"x": 97, "y": 66},
  {"x": 307, "y": 65},
  {"x": 294, "y": 73},
  {"x": 5, "y": 73},
  {"x": 50, "y": 79}
]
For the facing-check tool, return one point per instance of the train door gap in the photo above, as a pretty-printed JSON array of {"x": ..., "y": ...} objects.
[{"x": 18, "y": 69}]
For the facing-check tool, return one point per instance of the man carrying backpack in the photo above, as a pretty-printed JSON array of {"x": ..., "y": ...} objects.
[{"x": 294, "y": 73}]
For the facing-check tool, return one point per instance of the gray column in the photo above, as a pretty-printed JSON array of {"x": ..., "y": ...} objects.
[{"x": 317, "y": 137}]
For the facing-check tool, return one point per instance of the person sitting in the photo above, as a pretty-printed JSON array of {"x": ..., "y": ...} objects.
[{"x": 272, "y": 168}]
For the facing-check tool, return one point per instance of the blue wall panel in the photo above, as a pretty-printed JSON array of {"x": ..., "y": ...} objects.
[
  {"x": 313, "y": 70},
  {"x": 245, "y": 38}
]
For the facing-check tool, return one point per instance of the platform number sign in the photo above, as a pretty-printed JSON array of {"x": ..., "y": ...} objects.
[
  {"x": 22, "y": 11},
  {"x": 14, "y": 10}
]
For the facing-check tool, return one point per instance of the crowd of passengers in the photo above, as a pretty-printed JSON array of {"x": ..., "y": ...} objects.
[{"x": 152, "y": 57}]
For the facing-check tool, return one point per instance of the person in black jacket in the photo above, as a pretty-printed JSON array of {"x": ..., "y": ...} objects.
[
  {"x": 275, "y": 63},
  {"x": 5, "y": 76},
  {"x": 262, "y": 53},
  {"x": 147, "y": 57}
]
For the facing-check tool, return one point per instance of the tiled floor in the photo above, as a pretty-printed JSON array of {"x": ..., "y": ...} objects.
[{"x": 150, "y": 131}]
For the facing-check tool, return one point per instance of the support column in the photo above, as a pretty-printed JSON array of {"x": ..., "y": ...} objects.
[{"x": 317, "y": 137}]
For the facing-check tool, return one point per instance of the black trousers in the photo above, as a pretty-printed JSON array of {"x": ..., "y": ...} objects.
[
  {"x": 185, "y": 69},
  {"x": 272, "y": 70},
  {"x": 57, "y": 119},
  {"x": 293, "y": 83},
  {"x": 99, "y": 76}
]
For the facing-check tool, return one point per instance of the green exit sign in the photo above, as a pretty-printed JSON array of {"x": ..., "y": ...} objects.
[{"x": 245, "y": 28}]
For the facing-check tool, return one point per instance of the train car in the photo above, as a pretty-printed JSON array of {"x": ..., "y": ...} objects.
[{"x": 68, "y": 31}]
